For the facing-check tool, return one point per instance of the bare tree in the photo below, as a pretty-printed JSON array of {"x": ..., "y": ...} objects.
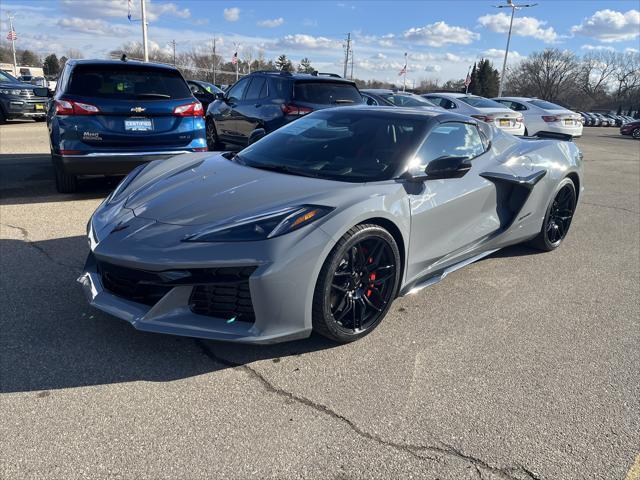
[
  {"x": 597, "y": 69},
  {"x": 545, "y": 74},
  {"x": 247, "y": 57}
]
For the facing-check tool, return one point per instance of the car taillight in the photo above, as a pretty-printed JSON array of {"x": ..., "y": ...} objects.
[
  {"x": 201, "y": 149},
  {"x": 519, "y": 119},
  {"x": 484, "y": 118},
  {"x": 193, "y": 109},
  {"x": 70, "y": 107},
  {"x": 550, "y": 118},
  {"x": 291, "y": 109}
]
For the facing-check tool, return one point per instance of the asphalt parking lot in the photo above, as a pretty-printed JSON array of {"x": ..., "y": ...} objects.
[{"x": 521, "y": 366}]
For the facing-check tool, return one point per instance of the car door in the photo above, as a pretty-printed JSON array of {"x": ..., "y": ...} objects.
[
  {"x": 450, "y": 217},
  {"x": 248, "y": 110},
  {"x": 203, "y": 96},
  {"x": 227, "y": 121}
]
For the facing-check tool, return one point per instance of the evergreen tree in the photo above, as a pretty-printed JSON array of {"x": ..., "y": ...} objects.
[
  {"x": 305, "y": 66},
  {"x": 474, "y": 79},
  {"x": 488, "y": 80},
  {"x": 284, "y": 64},
  {"x": 51, "y": 65},
  {"x": 29, "y": 59}
]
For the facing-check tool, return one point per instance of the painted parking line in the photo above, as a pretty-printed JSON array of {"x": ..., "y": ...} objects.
[{"x": 634, "y": 471}]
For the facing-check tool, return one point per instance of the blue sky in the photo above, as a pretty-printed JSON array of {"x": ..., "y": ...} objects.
[{"x": 442, "y": 38}]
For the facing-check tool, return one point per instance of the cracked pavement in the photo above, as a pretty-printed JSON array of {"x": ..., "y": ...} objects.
[{"x": 521, "y": 366}]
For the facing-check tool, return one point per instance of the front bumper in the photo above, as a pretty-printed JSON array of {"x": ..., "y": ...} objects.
[
  {"x": 109, "y": 163},
  {"x": 281, "y": 287},
  {"x": 18, "y": 107}
]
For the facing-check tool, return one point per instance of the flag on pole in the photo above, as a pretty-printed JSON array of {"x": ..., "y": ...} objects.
[
  {"x": 129, "y": 5},
  {"x": 12, "y": 36},
  {"x": 404, "y": 69},
  {"x": 234, "y": 59},
  {"x": 467, "y": 81}
]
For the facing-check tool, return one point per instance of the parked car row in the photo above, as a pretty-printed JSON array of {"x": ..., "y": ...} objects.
[{"x": 594, "y": 119}]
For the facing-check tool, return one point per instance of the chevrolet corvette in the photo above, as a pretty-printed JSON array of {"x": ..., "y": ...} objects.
[{"x": 321, "y": 224}]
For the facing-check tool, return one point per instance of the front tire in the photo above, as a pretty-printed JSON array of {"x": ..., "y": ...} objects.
[
  {"x": 557, "y": 219},
  {"x": 636, "y": 133},
  {"x": 357, "y": 284},
  {"x": 213, "y": 143}
]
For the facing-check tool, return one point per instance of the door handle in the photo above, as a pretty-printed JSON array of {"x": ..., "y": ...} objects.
[{"x": 258, "y": 105}]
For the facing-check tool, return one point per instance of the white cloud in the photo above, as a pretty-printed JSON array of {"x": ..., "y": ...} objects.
[
  {"x": 522, "y": 26},
  {"x": 94, "y": 27},
  {"x": 596, "y": 47},
  {"x": 301, "y": 41},
  {"x": 631, "y": 50},
  {"x": 450, "y": 57},
  {"x": 610, "y": 26},
  {"x": 379, "y": 56},
  {"x": 118, "y": 9},
  {"x": 432, "y": 68},
  {"x": 439, "y": 34},
  {"x": 271, "y": 23},
  {"x": 498, "y": 54},
  {"x": 231, "y": 14}
]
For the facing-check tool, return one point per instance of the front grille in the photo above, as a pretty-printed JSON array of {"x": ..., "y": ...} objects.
[
  {"x": 131, "y": 284},
  {"x": 218, "y": 292},
  {"x": 229, "y": 300}
]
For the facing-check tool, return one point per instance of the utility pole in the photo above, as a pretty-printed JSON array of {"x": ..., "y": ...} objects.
[
  {"x": 351, "y": 63},
  {"x": 346, "y": 57},
  {"x": 214, "y": 60},
  {"x": 173, "y": 44},
  {"x": 513, "y": 8},
  {"x": 12, "y": 32},
  {"x": 404, "y": 85},
  {"x": 145, "y": 48}
]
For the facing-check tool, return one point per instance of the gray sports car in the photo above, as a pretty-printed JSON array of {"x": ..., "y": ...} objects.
[{"x": 321, "y": 224}]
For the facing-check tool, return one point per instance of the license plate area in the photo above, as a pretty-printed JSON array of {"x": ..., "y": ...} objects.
[
  {"x": 505, "y": 123},
  {"x": 568, "y": 122},
  {"x": 38, "y": 106},
  {"x": 138, "y": 124}
]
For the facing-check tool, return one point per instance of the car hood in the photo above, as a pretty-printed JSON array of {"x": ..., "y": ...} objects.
[
  {"x": 203, "y": 189},
  {"x": 18, "y": 85}
]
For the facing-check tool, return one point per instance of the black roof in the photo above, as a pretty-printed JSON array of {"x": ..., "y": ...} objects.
[{"x": 330, "y": 77}]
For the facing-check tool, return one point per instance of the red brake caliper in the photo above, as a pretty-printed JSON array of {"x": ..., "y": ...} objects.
[{"x": 372, "y": 277}]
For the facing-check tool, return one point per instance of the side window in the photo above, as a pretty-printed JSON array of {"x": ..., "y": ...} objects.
[
  {"x": 236, "y": 92},
  {"x": 518, "y": 107},
  {"x": 264, "y": 92},
  {"x": 436, "y": 100},
  {"x": 253, "y": 92},
  {"x": 281, "y": 88},
  {"x": 448, "y": 104},
  {"x": 195, "y": 88},
  {"x": 451, "y": 139},
  {"x": 369, "y": 100}
]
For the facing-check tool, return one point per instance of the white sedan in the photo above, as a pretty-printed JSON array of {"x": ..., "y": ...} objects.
[
  {"x": 542, "y": 116},
  {"x": 480, "y": 108}
]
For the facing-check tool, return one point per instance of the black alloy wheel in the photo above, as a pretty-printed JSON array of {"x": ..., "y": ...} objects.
[
  {"x": 213, "y": 144},
  {"x": 558, "y": 218},
  {"x": 357, "y": 284},
  {"x": 636, "y": 133}
]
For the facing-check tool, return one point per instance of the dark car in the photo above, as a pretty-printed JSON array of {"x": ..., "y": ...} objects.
[
  {"x": 264, "y": 101},
  {"x": 21, "y": 100},
  {"x": 107, "y": 116},
  {"x": 631, "y": 128},
  {"x": 381, "y": 96},
  {"x": 205, "y": 92}
]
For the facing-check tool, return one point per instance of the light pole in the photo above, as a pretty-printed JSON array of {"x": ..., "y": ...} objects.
[
  {"x": 513, "y": 8},
  {"x": 145, "y": 48}
]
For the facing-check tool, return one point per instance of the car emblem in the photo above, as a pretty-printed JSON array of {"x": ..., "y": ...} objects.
[{"x": 138, "y": 109}]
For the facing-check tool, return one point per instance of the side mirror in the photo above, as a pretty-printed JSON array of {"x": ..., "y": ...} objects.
[
  {"x": 41, "y": 91},
  {"x": 447, "y": 167},
  {"x": 220, "y": 96},
  {"x": 256, "y": 135}
]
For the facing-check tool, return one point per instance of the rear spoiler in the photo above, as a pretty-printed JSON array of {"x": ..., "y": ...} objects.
[{"x": 550, "y": 136}]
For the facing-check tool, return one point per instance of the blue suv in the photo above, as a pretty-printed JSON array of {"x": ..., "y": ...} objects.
[
  {"x": 107, "y": 116},
  {"x": 265, "y": 100}
]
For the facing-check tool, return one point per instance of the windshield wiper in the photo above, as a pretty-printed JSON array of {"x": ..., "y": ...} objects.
[
  {"x": 282, "y": 169},
  {"x": 155, "y": 95}
]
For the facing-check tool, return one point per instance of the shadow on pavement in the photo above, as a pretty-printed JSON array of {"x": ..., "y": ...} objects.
[
  {"x": 52, "y": 339},
  {"x": 28, "y": 178}
]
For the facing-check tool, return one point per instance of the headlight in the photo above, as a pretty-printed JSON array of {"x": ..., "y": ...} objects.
[
  {"x": 126, "y": 181},
  {"x": 263, "y": 226},
  {"x": 10, "y": 92}
]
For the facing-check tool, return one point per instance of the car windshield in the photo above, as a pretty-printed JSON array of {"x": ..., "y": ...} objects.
[
  {"x": 209, "y": 87},
  {"x": 344, "y": 145},
  {"x": 128, "y": 82},
  {"x": 5, "y": 77},
  {"x": 407, "y": 100},
  {"x": 546, "y": 105},
  {"x": 327, "y": 93},
  {"x": 481, "y": 102}
]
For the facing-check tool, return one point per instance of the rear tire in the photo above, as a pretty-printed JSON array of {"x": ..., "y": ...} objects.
[
  {"x": 636, "y": 133},
  {"x": 557, "y": 219},
  {"x": 40, "y": 119},
  {"x": 213, "y": 143},
  {"x": 65, "y": 183},
  {"x": 357, "y": 284}
]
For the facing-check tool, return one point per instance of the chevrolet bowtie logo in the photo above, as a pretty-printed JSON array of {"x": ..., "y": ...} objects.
[{"x": 138, "y": 109}]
